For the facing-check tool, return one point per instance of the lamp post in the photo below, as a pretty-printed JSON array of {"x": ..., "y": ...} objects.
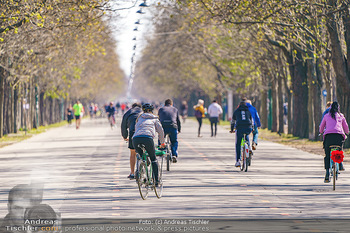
[{"x": 143, "y": 4}]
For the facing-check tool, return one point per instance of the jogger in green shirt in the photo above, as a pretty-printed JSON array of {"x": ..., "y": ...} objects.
[{"x": 78, "y": 108}]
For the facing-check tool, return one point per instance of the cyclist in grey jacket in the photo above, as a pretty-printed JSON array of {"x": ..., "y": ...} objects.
[{"x": 145, "y": 131}]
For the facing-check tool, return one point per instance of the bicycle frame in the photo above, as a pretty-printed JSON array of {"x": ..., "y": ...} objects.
[
  {"x": 334, "y": 165},
  {"x": 143, "y": 159},
  {"x": 244, "y": 153},
  {"x": 169, "y": 154},
  {"x": 148, "y": 180}
]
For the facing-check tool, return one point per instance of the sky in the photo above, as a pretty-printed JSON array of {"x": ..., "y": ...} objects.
[{"x": 124, "y": 25}]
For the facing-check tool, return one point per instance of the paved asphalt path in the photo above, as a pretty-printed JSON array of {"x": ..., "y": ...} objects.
[{"x": 84, "y": 176}]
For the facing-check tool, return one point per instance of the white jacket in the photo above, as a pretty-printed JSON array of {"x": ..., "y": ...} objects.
[{"x": 214, "y": 110}]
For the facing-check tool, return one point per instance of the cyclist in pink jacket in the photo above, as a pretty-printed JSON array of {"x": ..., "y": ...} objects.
[{"x": 334, "y": 128}]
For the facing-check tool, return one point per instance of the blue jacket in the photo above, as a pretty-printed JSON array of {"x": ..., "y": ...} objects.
[
  {"x": 325, "y": 112},
  {"x": 255, "y": 115}
]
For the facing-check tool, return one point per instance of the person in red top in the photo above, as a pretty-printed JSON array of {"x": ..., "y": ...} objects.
[
  {"x": 123, "y": 106},
  {"x": 334, "y": 128}
]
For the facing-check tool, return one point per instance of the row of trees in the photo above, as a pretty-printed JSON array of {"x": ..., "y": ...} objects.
[
  {"x": 53, "y": 52},
  {"x": 270, "y": 51}
]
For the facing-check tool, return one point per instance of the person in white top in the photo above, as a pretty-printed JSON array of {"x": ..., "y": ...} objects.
[{"x": 214, "y": 110}]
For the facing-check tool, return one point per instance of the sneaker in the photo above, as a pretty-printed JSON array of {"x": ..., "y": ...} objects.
[
  {"x": 326, "y": 179},
  {"x": 131, "y": 176},
  {"x": 174, "y": 159},
  {"x": 238, "y": 164},
  {"x": 254, "y": 146}
]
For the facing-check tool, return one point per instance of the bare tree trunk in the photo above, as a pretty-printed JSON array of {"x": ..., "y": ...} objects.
[
  {"x": 15, "y": 110},
  {"x": 263, "y": 109},
  {"x": 340, "y": 64},
  {"x": 280, "y": 106},
  {"x": 41, "y": 108},
  {"x": 274, "y": 106},
  {"x": 300, "y": 98},
  {"x": 290, "y": 113},
  {"x": 2, "y": 81},
  {"x": 311, "y": 83}
]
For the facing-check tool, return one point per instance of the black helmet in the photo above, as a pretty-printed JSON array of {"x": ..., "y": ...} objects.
[{"x": 147, "y": 107}]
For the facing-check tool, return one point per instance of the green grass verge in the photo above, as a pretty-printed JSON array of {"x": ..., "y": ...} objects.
[{"x": 21, "y": 135}]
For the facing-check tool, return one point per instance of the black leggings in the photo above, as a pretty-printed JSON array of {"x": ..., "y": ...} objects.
[
  {"x": 329, "y": 140},
  {"x": 149, "y": 146},
  {"x": 199, "y": 119},
  {"x": 214, "y": 121}
]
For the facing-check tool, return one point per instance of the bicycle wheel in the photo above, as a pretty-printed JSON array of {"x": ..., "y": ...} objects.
[
  {"x": 334, "y": 172},
  {"x": 243, "y": 159},
  {"x": 159, "y": 189},
  {"x": 142, "y": 180},
  {"x": 246, "y": 156},
  {"x": 168, "y": 158},
  {"x": 111, "y": 122}
]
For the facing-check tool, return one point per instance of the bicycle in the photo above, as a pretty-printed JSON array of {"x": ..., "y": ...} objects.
[
  {"x": 169, "y": 156},
  {"x": 111, "y": 119},
  {"x": 336, "y": 157},
  {"x": 245, "y": 158},
  {"x": 144, "y": 174}
]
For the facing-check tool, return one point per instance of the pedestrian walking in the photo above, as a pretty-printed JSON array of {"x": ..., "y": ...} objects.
[
  {"x": 199, "y": 113},
  {"x": 123, "y": 106},
  {"x": 214, "y": 111},
  {"x": 69, "y": 113},
  {"x": 117, "y": 107},
  {"x": 91, "y": 110},
  {"x": 184, "y": 111},
  {"x": 285, "y": 113}
]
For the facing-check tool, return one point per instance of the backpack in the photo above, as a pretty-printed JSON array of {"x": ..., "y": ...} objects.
[{"x": 198, "y": 114}]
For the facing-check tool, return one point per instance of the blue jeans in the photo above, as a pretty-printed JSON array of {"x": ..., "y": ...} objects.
[
  {"x": 255, "y": 134},
  {"x": 239, "y": 136},
  {"x": 173, "y": 139}
]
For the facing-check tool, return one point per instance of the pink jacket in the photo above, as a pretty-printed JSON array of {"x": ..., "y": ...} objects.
[{"x": 337, "y": 125}]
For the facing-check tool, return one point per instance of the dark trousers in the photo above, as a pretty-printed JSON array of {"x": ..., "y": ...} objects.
[
  {"x": 199, "y": 119},
  {"x": 149, "y": 146},
  {"x": 239, "y": 136},
  {"x": 329, "y": 140},
  {"x": 214, "y": 121},
  {"x": 172, "y": 132}
]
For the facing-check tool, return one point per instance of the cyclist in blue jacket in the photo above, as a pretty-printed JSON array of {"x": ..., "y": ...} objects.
[{"x": 256, "y": 121}]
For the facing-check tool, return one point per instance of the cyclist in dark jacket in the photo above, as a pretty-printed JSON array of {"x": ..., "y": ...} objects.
[
  {"x": 128, "y": 122},
  {"x": 169, "y": 117},
  {"x": 243, "y": 123}
]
